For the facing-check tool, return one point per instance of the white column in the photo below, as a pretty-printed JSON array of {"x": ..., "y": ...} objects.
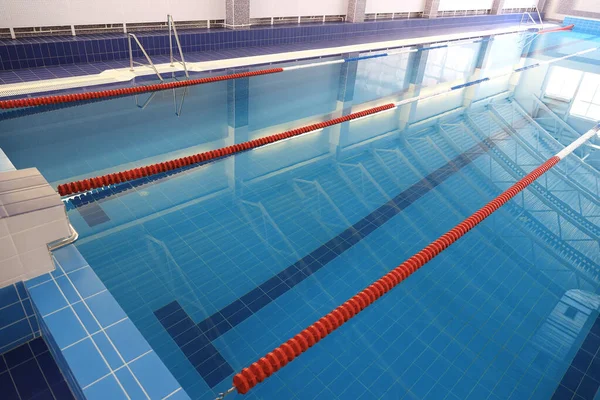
[
  {"x": 431, "y": 8},
  {"x": 356, "y": 10}
]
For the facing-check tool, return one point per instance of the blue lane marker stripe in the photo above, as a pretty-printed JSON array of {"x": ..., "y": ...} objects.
[
  {"x": 365, "y": 57},
  {"x": 464, "y": 85},
  {"x": 527, "y": 67},
  {"x": 195, "y": 339},
  {"x": 196, "y": 346},
  {"x": 432, "y": 48},
  {"x": 582, "y": 379}
]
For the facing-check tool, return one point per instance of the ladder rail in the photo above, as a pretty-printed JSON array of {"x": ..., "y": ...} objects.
[
  {"x": 131, "y": 62},
  {"x": 173, "y": 28}
]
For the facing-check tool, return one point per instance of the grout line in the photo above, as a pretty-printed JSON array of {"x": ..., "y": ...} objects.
[
  {"x": 110, "y": 341},
  {"x": 125, "y": 365},
  {"x": 172, "y": 393},
  {"x": 73, "y": 303},
  {"x": 11, "y": 304},
  {"x": 44, "y": 375},
  {"x": 16, "y": 322},
  {"x": 14, "y": 383},
  {"x": 88, "y": 335}
]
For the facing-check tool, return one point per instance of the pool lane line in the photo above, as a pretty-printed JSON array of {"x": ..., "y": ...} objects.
[
  {"x": 85, "y": 185},
  {"x": 195, "y": 340},
  {"x": 104, "y": 94},
  {"x": 288, "y": 351},
  {"x": 150, "y": 170}
]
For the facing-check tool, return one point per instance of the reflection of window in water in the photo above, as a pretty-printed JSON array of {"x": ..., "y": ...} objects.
[
  {"x": 446, "y": 65},
  {"x": 582, "y": 88},
  {"x": 383, "y": 76},
  {"x": 562, "y": 83},
  {"x": 563, "y": 326}
]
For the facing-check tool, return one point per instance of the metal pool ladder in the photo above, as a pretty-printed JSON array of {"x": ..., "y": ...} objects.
[{"x": 131, "y": 62}]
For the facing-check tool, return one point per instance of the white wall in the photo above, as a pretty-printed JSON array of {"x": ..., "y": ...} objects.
[
  {"x": 388, "y": 6},
  {"x": 447, "y": 5},
  {"x": 520, "y": 3},
  {"x": 27, "y": 13},
  {"x": 289, "y": 8}
]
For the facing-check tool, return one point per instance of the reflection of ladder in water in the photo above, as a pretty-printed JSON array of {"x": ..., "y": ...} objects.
[
  {"x": 366, "y": 179},
  {"x": 171, "y": 274},
  {"x": 528, "y": 37},
  {"x": 324, "y": 207},
  {"x": 267, "y": 229}
]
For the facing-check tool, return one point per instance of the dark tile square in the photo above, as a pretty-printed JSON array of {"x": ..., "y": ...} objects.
[
  {"x": 29, "y": 379},
  {"x": 588, "y": 388},
  {"x": 232, "y": 309},
  {"x": 7, "y": 388},
  {"x": 38, "y": 346},
  {"x": 18, "y": 356},
  {"x": 582, "y": 360},
  {"x": 50, "y": 368},
  {"x": 240, "y": 316},
  {"x": 572, "y": 378},
  {"x": 217, "y": 376}
]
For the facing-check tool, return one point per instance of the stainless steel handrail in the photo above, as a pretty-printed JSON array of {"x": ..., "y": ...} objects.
[
  {"x": 173, "y": 28},
  {"x": 539, "y": 17},
  {"x": 57, "y": 244},
  {"x": 131, "y": 62}
]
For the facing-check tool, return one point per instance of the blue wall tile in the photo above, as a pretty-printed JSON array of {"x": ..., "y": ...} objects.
[{"x": 18, "y": 323}]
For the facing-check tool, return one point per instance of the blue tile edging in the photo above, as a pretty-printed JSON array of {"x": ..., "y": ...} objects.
[
  {"x": 63, "y": 50},
  {"x": 100, "y": 352},
  {"x": 583, "y": 25},
  {"x": 18, "y": 322}
]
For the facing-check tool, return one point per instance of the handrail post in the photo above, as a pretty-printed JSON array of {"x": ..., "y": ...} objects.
[
  {"x": 172, "y": 24},
  {"x": 539, "y": 16},
  {"x": 130, "y": 53},
  {"x": 169, "y": 19},
  {"x": 131, "y": 35}
]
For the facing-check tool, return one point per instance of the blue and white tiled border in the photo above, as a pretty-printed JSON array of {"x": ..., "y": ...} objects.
[
  {"x": 18, "y": 323},
  {"x": 100, "y": 351}
]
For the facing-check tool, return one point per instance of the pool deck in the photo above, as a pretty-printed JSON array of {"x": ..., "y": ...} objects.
[{"x": 44, "y": 79}]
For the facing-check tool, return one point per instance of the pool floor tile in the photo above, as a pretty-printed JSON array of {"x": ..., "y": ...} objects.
[{"x": 32, "y": 377}]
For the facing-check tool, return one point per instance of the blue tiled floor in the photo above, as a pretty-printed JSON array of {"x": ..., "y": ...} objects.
[
  {"x": 30, "y": 373},
  {"x": 195, "y": 339}
]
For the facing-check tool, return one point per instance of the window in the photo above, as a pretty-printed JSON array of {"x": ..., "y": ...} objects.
[
  {"x": 587, "y": 100},
  {"x": 563, "y": 83}
]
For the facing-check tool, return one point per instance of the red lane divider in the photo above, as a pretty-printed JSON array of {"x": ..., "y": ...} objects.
[
  {"x": 559, "y": 29},
  {"x": 136, "y": 173},
  {"x": 66, "y": 98},
  {"x": 288, "y": 351}
]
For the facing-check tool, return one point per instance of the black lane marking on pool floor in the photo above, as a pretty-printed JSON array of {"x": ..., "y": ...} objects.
[
  {"x": 93, "y": 214},
  {"x": 582, "y": 379},
  {"x": 195, "y": 340}
]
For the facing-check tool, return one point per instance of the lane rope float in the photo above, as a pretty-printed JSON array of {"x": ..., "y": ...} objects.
[
  {"x": 282, "y": 355},
  {"x": 85, "y": 185},
  {"x": 154, "y": 169},
  {"x": 559, "y": 29}
]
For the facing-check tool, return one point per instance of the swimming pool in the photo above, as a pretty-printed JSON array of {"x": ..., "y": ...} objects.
[{"x": 192, "y": 257}]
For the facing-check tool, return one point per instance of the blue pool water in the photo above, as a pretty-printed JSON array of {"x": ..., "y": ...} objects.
[{"x": 220, "y": 263}]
